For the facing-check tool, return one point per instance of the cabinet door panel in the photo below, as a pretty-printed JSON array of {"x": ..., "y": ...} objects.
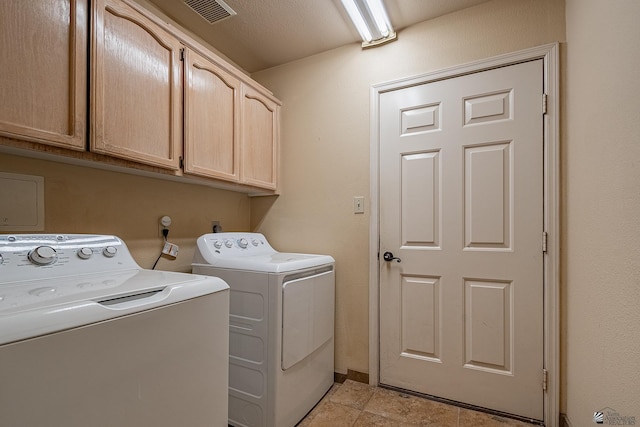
[
  {"x": 259, "y": 139},
  {"x": 136, "y": 87},
  {"x": 43, "y": 71},
  {"x": 212, "y": 110}
]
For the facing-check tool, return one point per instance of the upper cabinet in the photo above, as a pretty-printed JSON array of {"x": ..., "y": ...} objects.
[
  {"x": 212, "y": 119},
  {"x": 260, "y": 134},
  {"x": 231, "y": 128},
  {"x": 136, "y": 105},
  {"x": 43, "y": 71},
  {"x": 159, "y": 101}
]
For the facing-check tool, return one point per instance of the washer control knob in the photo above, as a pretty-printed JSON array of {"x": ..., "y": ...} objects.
[
  {"x": 1, "y": 259},
  {"x": 43, "y": 255},
  {"x": 109, "y": 251},
  {"x": 84, "y": 253},
  {"x": 255, "y": 242},
  {"x": 243, "y": 243},
  {"x": 217, "y": 244},
  {"x": 228, "y": 243}
]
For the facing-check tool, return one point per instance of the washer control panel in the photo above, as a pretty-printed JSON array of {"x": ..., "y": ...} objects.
[{"x": 35, "y": 256}]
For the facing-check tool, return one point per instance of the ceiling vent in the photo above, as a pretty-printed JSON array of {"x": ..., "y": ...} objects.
[{"x": 211, "y": 10}]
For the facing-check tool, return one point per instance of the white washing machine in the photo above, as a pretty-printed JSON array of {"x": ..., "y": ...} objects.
[
  {"x": 281, "y": 346},
  {"x": 88, "y": 338}
]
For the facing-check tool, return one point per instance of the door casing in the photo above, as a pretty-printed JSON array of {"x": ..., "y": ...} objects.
[{"x": 551, "y": 135}]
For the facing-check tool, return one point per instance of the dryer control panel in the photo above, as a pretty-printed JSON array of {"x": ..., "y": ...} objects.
[
  {"x": 235, "y": 244},
  {"x": 249, "y": 251}
]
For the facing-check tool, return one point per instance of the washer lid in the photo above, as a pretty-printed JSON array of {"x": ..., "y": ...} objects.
[{"x": 37, "y": 307}]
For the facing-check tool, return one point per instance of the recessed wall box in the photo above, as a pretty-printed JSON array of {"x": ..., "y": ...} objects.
[{"x": 21, "y": 202}]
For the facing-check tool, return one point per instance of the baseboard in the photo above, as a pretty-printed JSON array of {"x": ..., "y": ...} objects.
[{"x": 360, "y": 377}]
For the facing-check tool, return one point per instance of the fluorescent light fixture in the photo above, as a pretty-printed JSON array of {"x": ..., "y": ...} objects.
[{"x": 371, "y": 20}]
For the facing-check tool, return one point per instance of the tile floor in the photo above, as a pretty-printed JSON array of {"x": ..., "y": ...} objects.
[{"x": 355, "y": 404}]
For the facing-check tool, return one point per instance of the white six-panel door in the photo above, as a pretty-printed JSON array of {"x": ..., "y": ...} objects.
[{"x": 461, "y": 206}]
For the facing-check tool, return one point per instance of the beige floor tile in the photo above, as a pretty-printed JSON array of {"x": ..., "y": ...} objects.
[
  {"x": 307, "y": 419},
  {"x": 333, "y": 389},
  {"x": 367, "y": 419},
  {"x": 410, "y": 409},
  {"x": 480, "y": 419},
  {"x": 355, "y": 404},
  {"x": 353, "y": 393},
  {"x": 305, "y": 422},
  {"x": 331, "y": 414}
]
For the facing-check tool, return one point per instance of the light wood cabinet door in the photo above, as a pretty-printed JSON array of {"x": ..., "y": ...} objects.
[
  {"x": 212, "y": 119},
  {"x": 43, "y": 83},
  {"x": 260, "y": 134},
  {"x": 136, "y": 87}
]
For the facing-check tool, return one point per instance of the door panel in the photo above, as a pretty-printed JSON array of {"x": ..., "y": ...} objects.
[
  {"x": 421, "y": 317},
  {"x": 137, "y": 84},
  {"x": 212, "y": 119},
  {"x": 260, "y": 128},
  {"x": 43, "y": 82},
  {"x": 488, "y": 325},
  {"x": 461, "y": 204},
  {"x": 420, "y": 199},
  {"x": 487, "y": 198}
]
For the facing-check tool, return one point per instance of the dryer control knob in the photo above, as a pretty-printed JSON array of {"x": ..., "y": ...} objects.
[
  {"x": 228, "y": 243},
  {"x": 109, "y": 251},
  {"x": 217, "y": 244},
  {"x": 243, "y": 243},
  {"x": 43, "y": 255},
  {"x": 255, "y": 242},
  {"x": 1, "y": 261},
  {"x": 84, "y": 253}
]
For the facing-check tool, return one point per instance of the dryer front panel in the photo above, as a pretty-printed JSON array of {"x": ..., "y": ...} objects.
[{"x": 307, "y": 314}]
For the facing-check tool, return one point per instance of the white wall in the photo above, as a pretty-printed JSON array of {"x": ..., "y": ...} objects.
[
  {"x": 325, "y": 138},
  {"x": 601, "y": 218}
]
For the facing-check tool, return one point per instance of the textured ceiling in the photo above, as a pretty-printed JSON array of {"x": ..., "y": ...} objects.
[{"x": 267, "y": 33}]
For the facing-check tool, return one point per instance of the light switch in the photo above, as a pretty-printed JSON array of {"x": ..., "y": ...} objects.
[
  {"x": 22, "y": 207},
  {"x": 358, "y": 205}
]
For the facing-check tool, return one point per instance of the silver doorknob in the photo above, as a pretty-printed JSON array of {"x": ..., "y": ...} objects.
[{"x": 388, "y": 256}]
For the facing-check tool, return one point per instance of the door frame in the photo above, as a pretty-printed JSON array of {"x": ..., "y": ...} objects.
[{"x": 551, "y": 135}]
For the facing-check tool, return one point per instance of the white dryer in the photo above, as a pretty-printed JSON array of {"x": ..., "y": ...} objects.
[{"x": 281, "y": 345}]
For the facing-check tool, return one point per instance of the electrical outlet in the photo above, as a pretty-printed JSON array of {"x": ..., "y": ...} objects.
[
  {"x": 163, "y": 223},
  {"x": 358, "y": 205},
  {"x": 216, "y": 227}
]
